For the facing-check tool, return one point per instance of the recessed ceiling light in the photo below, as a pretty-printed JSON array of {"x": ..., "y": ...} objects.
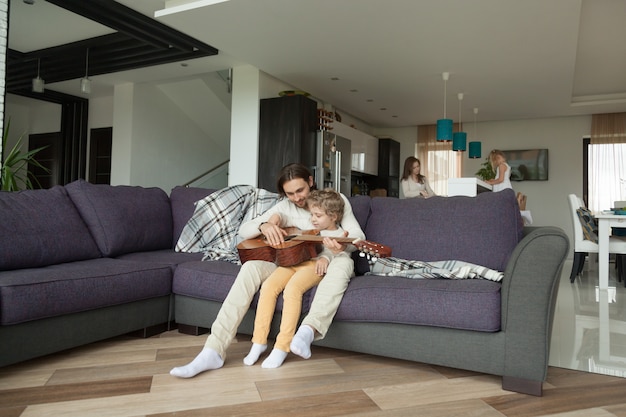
[
  {"x": 354, "y": 91},
  {"x": 335, "y": 78},
  {"x": 369, "y": 100},
  {"x": 383, "y": 108}
]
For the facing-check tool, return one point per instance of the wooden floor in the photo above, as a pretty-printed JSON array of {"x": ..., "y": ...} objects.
[{"x": 129, "y": 377}]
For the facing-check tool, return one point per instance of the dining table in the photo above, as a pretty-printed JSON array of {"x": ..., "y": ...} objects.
[{"x": 606, "y": 220}]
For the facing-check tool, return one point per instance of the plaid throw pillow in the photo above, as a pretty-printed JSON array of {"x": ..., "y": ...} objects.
[{"x": 590, "y": 228}]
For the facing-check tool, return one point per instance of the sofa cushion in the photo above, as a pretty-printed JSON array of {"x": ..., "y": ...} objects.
[
  {"x": 458, "y": 304},
  {"x": 361, "y": 208},
  {"x": 42, "y": 227},
  {"x": 37, "y": 293},
  {"x": 482, "y": 230},
  {"x": 124, "y": 219},
  {"x": 162, "y": 256},
  {"x": 183, "y": 202}
]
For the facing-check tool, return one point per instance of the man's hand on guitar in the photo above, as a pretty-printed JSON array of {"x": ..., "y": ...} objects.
[
  {"x": 321, "y": 266},
  {"x": 273, "y": 233}
]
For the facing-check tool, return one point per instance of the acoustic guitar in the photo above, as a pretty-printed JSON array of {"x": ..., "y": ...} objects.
[{"x": 299, "y": 248}]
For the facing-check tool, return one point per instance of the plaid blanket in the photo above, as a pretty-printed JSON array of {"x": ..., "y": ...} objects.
[
  {"x": 213, "y": 227},
  {"x": 396, "y": 267}
]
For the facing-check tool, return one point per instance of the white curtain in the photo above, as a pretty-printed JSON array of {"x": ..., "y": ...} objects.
[
  {"x": 607, "y": 161},
  {"x": 607, "y": 175},
  {"x": 439, "y": 161}
]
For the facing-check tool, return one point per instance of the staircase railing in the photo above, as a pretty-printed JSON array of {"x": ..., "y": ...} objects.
[{"x": 216, "y": 177}]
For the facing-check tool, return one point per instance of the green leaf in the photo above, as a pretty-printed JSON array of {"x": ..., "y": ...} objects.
[{"x": 14, "y": 167}]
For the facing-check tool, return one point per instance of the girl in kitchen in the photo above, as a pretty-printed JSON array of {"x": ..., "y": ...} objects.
[{"x": 502, "y": 180}]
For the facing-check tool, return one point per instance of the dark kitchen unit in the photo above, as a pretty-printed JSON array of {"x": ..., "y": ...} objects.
[
  {"x": 287, "y": 133},
  {"x": 389, "y": 166}
]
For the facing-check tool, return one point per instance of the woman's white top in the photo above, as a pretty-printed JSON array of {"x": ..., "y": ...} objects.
[
  {"x": 411, "y": 188},
  {"x": 506, "y": 183}
]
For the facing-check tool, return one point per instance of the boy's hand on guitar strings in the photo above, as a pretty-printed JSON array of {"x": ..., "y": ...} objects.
[{"x": 335, "y": 246}]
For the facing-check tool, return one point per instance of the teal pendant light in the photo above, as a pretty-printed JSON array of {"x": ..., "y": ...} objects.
[
  {"x": 474, "y": 150},
  {"x": 474, "y": 146},
  {"x": 459, "y": 139},
  {"x": 444, "y": 126}
]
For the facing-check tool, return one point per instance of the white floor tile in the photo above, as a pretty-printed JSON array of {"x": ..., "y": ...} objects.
[{"x": 589, "y": 329}]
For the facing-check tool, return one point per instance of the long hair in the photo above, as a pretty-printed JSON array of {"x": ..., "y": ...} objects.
[
  {"x": 492, "y": 158},
  {"x": 408, "y": 167},
  {"x": 291, "y": 172}
]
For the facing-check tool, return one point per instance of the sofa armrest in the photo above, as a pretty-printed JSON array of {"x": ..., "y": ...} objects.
[{"x": 529, "y": 290}]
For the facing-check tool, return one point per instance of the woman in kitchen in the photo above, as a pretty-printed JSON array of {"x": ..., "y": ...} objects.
[{"x": 414, "y": 184}]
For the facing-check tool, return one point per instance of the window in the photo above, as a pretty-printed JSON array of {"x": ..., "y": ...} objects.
[
  {"x": 606, "y": 174},
  {"x": 439, "y": 161}
]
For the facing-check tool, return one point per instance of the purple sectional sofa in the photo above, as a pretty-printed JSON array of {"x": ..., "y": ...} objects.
[{"x": 85, "y": 262}]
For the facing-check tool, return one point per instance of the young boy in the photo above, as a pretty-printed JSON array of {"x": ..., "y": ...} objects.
[{"x": 326, "y": 208}]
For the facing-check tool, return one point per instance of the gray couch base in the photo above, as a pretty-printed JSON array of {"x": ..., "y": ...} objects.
[
  {"x": 28, "y": 340},
  {"x": 472, "y": 350},
  {"x": 196, "y": 312}
]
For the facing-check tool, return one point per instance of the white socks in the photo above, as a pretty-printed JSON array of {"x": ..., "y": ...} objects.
[
  {"x": 255, "y": 352},
  {"x": 209, "y": 359},
  {"x": 301, "y": 342},
  {"x": 275, "y": 359},
  {"x": 206, "y": 360}
]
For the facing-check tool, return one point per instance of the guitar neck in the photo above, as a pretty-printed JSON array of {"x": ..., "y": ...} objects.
[{"x": 318, "y": 238}]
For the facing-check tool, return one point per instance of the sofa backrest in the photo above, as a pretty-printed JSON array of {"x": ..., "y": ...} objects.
[
  {"x": 124, "y": 219},
  {"x": 361, "y": 208},
  {"x": 183, "y": 203},
  {"x": 40, "y": 228},
  {"x": 482, "y": 230}
]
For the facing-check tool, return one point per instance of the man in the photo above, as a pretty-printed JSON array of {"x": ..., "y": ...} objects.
[{"x": 294, "y": 182}]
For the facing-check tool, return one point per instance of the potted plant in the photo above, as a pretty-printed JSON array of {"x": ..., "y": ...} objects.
[
  {"x": 14, "y": 171},
  {"x": 486, "y": 172}
]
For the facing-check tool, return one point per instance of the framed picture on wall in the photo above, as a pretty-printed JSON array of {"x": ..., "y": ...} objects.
[{"x": 528, "y": 164}]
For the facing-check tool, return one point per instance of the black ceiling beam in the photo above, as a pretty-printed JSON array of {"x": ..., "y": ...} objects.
[
  {"x": 110, "y": 53},
  {"x": 126, "y": 20}
]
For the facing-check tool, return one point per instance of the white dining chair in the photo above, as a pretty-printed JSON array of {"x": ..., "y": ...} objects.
[{"x": 583, "y": 246}]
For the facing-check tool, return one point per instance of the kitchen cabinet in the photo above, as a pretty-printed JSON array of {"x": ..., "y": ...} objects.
[
  {"x": 287, "y": 133},
  {"x": 364, "y": 148},
  {"x": 389, "y": 166}
]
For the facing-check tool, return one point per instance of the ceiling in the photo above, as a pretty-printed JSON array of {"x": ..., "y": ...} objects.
[{"x": 382, "y": 60}]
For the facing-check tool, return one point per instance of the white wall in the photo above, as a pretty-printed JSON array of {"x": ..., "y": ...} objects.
[
  {"x": 244, "y": 151},
  {"x": 100, "y": 112},
  {"x": 157, "y": 144},
  {"x": 29, "y": 116}
]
